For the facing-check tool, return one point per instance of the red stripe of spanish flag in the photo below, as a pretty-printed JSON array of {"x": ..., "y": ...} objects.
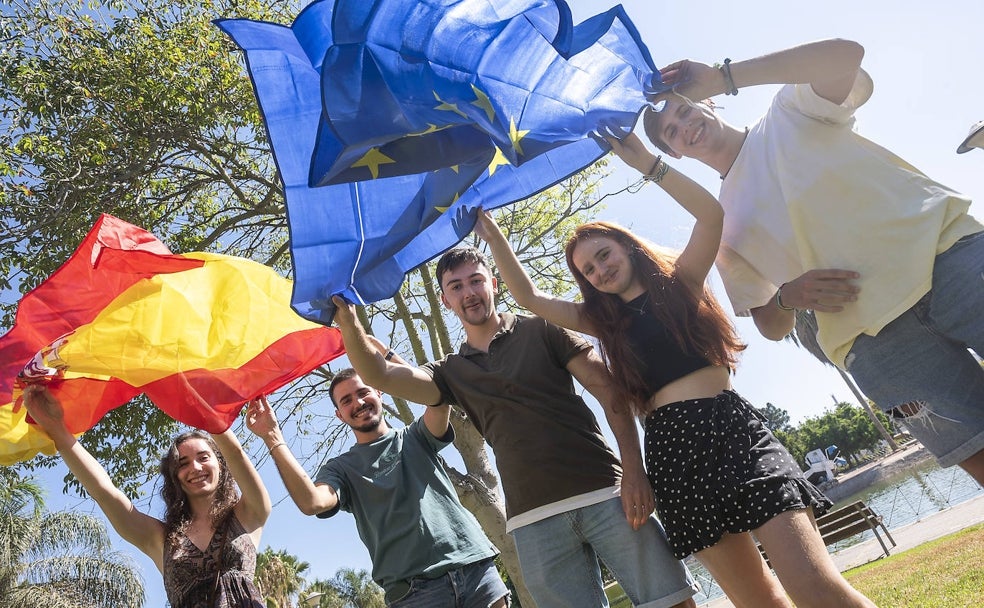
[{"x": 199, "y": 333}]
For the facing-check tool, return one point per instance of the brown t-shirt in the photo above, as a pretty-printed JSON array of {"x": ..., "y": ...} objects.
[{"x": 548, "y": 445}]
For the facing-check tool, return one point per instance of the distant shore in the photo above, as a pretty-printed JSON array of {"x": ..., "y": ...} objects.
[{"x": 858, "y": 479}]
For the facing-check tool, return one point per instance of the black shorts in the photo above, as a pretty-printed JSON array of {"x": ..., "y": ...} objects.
[{"x": 716, "y": 468}]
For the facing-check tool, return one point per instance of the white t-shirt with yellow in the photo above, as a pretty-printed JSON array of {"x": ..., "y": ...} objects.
[{"x": 806, "y": 192}]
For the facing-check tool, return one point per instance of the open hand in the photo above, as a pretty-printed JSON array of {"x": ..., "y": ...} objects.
[{"x": 822, "y": 290}]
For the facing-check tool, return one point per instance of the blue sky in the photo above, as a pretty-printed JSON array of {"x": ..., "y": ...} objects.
[{"x": 926, "y": 62}]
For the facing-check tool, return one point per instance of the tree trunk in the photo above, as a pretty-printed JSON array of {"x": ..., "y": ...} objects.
[{"x": 867, "y": 410}]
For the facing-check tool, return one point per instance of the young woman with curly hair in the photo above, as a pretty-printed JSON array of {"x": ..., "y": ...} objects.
[{"x": 205, "y": 547}]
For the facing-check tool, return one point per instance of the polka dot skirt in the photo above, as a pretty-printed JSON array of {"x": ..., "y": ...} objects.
[{"x": 716, "y": 468}]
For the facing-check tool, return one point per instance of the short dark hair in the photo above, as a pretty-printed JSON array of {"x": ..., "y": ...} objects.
[
  {"x": 454, "y": 258},
  {"x": 340, "y": 376}
]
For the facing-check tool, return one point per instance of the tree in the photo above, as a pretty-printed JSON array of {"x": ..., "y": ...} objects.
[
  {"x": 321, "y": 594},
  {"x": 358, "y": 589},
  {"x": 139, "y": 109},
  {"x": 279, "y": 577},
  {"x": 58, "y": 560},
  {"x": 142, "y": 109},
  {"x": 804, "y": 334},
  {"x": 777, "y": 418}
]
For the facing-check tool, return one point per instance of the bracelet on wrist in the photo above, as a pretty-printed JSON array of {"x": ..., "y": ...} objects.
[
  {"x": 729, "y": 82},
  {"x": 658, "y": 172},
  {"x": 276, "y": 445},
  {"x": 779, "y": 303}
]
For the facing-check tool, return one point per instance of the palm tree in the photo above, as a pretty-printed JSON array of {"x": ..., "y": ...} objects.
[
  {"x": 358, "y": 588},
  {"x": 804, "y": 334},
  {"x": 279, "y": 577},
  {"x": 58, "y": 560},
  {"x": 321, "y": 594}
]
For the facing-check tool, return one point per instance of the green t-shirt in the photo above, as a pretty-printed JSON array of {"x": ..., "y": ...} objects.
[{"x": 406, "y": 510}]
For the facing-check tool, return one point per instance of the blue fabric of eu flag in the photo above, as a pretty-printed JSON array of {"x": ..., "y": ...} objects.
[{"x": 392, "y": 121}]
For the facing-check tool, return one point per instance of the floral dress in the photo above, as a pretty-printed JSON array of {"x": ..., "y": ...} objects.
[{"x": 221, "y": 576}]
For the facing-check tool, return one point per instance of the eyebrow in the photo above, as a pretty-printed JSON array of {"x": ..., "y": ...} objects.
[{"x": 197, "y": 454}]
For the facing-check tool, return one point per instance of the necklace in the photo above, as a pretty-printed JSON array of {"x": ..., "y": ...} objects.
[{"x": 641, "y": 309}]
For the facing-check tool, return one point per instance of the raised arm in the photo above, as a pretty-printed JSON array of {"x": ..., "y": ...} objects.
[
  {"x": 254, "y": 506},
  {"x": 400, "y": 380},
  {"x": 310, "y": 499},
  {"x": 436, "y": 418},
  {"x": 140, "y": 530},
  {"x": 695, "y": 261},
  {"x": 637, "y": 495},
  {"x": 556, "y": 310},
  {"x": 829, "y": 66}
]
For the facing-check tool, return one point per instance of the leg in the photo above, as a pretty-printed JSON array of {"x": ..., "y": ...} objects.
[
  {"x": 560, "y": 568},
  {"x": 479, "y": 585},
  {"x": 803, "y": 565},
  {"x": 640, "y": 559},
  {"x": 736, "y": 564},
  {"x": 928, "y": 382}
]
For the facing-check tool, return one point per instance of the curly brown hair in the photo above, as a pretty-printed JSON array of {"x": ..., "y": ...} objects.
[
  {"x": 177, "y": 514},
  {"x": 698, "y": 324}
]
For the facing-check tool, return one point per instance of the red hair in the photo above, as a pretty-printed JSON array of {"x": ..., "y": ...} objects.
[{"x": 697, "y": 323}]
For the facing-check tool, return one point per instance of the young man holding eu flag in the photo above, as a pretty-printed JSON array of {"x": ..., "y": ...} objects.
[{"x": 569, "y": 501}]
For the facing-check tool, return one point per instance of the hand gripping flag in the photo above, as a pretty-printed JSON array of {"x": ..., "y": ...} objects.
[
  {"x": 391, "y": 121},
  {"x": 200, "y": 333}
]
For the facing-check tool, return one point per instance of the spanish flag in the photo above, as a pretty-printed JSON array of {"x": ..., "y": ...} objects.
[{"x": 199, "y": 333}]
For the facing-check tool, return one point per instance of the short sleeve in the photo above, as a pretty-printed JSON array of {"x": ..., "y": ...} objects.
[
  {"x": 331, "y": 475},
  {"x": 564, "y": 343},
  {"x": 746, "y": 288},
  {"x": 418, "y": 430},
  {"x": 435, "y": 370},
  {"x": 802, "y": 99}
]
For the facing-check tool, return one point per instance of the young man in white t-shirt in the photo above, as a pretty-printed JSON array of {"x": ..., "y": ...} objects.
[{"x": 818, "y": 217}]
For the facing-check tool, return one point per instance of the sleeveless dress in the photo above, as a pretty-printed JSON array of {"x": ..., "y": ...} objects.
[{"x": 191, "y": 576}]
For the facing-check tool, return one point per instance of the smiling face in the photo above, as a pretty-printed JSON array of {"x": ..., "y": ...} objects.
[
  {"x": 358, "y": 405},
  {"x": 469, "y": 291},
  {"x": 606, "y": 264},
  {"x": 684, "y": 128},
  {"x": 198, "y": 468}
]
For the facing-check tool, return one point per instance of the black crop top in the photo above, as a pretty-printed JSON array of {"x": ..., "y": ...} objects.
[{"x": 660, "y": 359}]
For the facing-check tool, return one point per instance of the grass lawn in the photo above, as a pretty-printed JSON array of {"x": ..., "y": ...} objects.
[{"x": 944, "y": 573}]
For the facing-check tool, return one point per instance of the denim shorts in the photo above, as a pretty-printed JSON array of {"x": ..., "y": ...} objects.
[
  {"x": 922, "y": 358},
  {"x": 559, "y": 557},
  {"x": 476, "y": 585}
]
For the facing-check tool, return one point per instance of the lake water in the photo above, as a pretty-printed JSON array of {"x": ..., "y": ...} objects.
[{"x": 904, "y": 498}]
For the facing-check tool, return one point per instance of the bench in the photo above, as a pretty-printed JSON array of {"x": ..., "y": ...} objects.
[{"x": 855, "y": 518}]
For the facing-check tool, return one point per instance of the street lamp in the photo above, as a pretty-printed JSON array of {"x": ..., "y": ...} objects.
[{"x": 311, "y": 601}]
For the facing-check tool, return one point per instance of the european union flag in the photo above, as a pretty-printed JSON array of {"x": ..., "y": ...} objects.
[{"x": 391, "y": 121}]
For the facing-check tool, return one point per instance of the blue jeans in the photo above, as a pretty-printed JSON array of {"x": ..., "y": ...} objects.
[
  {"x": 476, "y": 585},
  {"x": 921, "y": 358},
  {"x": 559, "y": 556}
]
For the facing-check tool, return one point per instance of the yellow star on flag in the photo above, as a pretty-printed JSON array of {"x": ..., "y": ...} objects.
[
  {"x": 515, "y": 135},
  {"x": 372, "y": 159},
  {"x": 448, "y": 107},
  {"x": 498, "y": 159},
  {"x": 482, "y": 101}
]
